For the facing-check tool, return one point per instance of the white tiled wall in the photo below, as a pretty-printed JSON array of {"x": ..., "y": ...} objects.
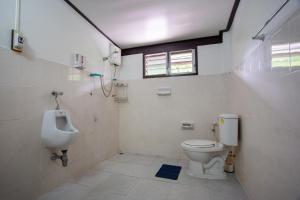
[
  {"x": 53, "y": 31},
  {"x": 25, "y": 93},
  {"x": 267, "y": 100},
  {"x": 151, "y": 124}
]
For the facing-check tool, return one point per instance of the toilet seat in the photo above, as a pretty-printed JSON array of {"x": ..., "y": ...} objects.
[{"x": 202, "y": 145}]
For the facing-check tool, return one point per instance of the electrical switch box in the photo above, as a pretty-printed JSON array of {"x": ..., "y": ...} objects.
[{"x": 17, "y": 41}]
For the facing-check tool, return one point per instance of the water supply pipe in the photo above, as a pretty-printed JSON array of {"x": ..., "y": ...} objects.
[
  {"x": 17, "y": 16},
  {"x": 63, "y": 157}
]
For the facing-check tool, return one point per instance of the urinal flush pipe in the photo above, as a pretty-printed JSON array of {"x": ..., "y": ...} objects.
[
  {"x": 63, "y": 157},
  {"x": 56, "y": 94}
]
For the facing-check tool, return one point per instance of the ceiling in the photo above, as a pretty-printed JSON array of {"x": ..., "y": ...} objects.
[{"x": 134, "y": 23}]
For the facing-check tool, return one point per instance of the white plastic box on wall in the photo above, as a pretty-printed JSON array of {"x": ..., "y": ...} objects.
[{"x": 115, "y": 58}]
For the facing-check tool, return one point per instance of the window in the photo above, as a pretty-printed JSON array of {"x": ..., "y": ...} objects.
[
  {"x": 181, "y": 62},
  {"x": 173, "y": 63},
  {"x": 156, "y": 64},
  {"x": 286, "y": 55}
]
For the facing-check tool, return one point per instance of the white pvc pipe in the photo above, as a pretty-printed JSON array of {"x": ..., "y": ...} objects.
[{"x": 17, "y": 15}]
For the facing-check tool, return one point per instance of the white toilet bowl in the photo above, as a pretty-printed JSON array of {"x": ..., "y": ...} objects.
[{"x": 206, "y": 158}]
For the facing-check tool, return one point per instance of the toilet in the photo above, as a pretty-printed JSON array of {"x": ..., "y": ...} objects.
[{"x": 207, "y": 157}]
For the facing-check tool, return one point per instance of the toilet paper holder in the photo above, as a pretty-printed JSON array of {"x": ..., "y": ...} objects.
[{"x": 187, "y": 125}]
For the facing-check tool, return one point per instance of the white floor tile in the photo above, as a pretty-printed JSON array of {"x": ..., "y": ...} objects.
[
  {"x": 228, "y": 185},
  {"x": 93, "y": 178},
  {"x": 183, "y": 163},
  {"x": 68, "y": 191},
  {"x": 117, "y": 184},
  {"x": 185, "y": 192},
  {"x": 133, "y": 159},
  {"x": 185, "y": 179},
  {"x": 229, "y": 188},
  {"x": 136, "y": 170},
  {"x": 150, "y": 190},
  {"x": 132, "y": 177},
  {"x": 96, "y": 195},
  {"x": 159, "y": 161},
  {"x": 216, "y": 195},
  {"x": 165, "y": 180}
]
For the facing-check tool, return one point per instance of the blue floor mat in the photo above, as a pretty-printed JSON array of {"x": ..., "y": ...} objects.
[{"x": 168, "y": 172}]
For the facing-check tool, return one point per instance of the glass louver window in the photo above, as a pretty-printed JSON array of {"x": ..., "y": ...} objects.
[
  {"x": 156, "y": 64},
  {"x": 173, "y": 63},
  {"x": 182, "y": 62}
]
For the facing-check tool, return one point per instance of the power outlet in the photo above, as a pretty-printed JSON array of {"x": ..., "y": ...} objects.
[{"x": 17, "y": 41}]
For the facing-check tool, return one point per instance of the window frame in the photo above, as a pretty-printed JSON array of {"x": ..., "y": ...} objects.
[{"x": 195, "y": 60}]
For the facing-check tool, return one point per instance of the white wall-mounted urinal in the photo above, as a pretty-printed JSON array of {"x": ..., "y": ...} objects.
[{"x": 57, "y": 130}]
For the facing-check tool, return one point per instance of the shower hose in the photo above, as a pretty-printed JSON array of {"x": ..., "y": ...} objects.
[{"x": 107, "y": 92}]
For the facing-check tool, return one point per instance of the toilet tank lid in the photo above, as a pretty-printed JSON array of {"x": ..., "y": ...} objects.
[{"x": 229, "y": 116}]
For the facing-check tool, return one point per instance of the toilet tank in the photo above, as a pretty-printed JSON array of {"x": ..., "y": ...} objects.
[{"x": 228, "y": 129}]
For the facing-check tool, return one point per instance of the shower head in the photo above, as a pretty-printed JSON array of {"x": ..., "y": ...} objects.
[{"x": 110, "y": 55}]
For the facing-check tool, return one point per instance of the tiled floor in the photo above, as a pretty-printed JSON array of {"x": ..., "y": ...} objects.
[{"x": 131, "y": 177}]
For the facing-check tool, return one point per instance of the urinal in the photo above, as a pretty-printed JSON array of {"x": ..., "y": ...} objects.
[{"x": 57, "y": 130}]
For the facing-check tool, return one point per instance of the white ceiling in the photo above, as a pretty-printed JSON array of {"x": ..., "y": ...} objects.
[{"x": 133, "y": 23}]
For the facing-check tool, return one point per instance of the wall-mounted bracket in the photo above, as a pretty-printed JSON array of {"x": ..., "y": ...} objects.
[{"x": 259, "y": 37}]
